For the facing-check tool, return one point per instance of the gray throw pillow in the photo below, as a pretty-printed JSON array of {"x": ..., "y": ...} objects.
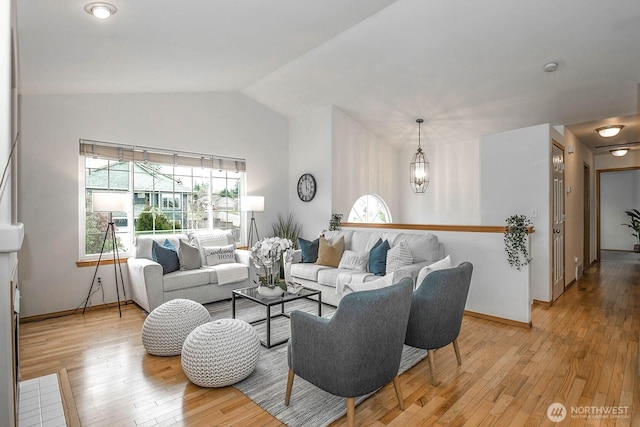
[{"x": 189, "y": 256}]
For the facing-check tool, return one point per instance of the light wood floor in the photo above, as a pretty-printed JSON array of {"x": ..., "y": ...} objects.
[{"x": 581, "y": 352}]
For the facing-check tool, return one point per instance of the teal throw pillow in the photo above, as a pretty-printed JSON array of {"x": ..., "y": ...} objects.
[
  {"x": 167, "y": 244},
  {"x": 309, "y": 249},
  {"x": 166, "y": 257},
  {"x": 378, "y": 258}
]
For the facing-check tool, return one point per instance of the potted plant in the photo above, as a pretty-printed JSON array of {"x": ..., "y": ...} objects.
[
  {"x": 515, "y": 241},
  {"x": 634, "y": 224},
  {"x": 267, "y": 256},
  {"x": 287, "y": 228},
  {"x": 335, "y": 222}
]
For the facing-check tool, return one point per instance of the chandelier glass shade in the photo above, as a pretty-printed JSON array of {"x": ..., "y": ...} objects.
[{"x": 419, "y": 167}]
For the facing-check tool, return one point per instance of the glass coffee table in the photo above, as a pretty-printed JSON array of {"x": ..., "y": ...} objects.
[{"x": 252, "y": 295}]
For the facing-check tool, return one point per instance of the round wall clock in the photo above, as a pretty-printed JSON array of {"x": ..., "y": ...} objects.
[{"x": 306, "y": 187}]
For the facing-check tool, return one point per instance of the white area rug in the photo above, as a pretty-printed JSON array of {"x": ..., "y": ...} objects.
[{"x": 309, "y": 405}]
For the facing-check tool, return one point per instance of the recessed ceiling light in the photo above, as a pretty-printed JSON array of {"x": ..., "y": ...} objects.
[
  {"x": 619, "y": 152},
  {"x": 100, "y": 10},
  {"x": 609, "y": 131},
  {"x": 550, "y": 67}
]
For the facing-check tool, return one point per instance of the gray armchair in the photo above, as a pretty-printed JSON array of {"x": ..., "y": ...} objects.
[
  {"x": 436, "y": 311},
  {"x": 358, "y": 350}
]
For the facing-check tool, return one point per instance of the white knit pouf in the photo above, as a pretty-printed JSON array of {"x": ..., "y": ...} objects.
[
  {"x": 166, "y": 327},
  {"x": 220, "y": 353}
]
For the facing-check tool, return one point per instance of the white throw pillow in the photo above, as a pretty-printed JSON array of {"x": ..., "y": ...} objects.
[
  {"x": 216, "y": 255},
  {"x": 353, "y": 260},
  {"x": 438, "y": 265},
  {"x": 398, "y": 256}
]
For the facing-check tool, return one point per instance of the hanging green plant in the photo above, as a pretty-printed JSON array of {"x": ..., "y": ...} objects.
[{"x": 515, "y": 241}]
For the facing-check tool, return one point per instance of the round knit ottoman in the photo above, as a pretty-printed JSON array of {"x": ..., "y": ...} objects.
[
  {"x": 166, "y": 327},
  {"x": 220, "y": 353}
]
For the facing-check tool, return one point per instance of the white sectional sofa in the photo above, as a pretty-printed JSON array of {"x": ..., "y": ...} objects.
[
  {"x": 199, "y": 282},
  {"x": 331, "y": 281}
]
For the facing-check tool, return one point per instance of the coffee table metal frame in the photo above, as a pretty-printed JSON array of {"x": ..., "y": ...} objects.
[{"x": 252, "y": 295}]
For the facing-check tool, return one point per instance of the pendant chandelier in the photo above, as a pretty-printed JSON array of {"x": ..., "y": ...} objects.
[{"x": 419, "y": 168}]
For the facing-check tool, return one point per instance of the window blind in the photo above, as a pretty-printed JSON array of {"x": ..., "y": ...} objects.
[{"x": 120, "y": 152}]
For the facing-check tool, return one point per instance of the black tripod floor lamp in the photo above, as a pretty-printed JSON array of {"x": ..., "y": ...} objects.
[
  {"x": 252, "y": 204},
  {"x": 109, "y": 202}
]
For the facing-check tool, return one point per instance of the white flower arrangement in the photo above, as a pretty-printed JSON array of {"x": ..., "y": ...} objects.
[{"x": 266, "y": 255}]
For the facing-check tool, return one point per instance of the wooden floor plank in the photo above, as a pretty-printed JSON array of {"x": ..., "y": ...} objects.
[{"x": 581, "y": 351}]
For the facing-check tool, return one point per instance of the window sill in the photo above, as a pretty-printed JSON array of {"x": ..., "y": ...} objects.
[{"x": 94, "y": 262}]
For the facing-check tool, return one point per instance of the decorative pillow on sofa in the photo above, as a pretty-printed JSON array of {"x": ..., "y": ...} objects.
[
  {"x": 216, "y": 255},
  {"x": 202, "y": 238},
  {"x": 167, "y": 258},
  {"x": 189, "y": 256},
  {"x": 330, "y": 254},
  {"x": 309, "y": 249},
  {"x": 353, "y": 260},
  {"x": 398, "y": 256},
  {"x": 438, "y": 265},
  {"x": 378, "y": 258}
]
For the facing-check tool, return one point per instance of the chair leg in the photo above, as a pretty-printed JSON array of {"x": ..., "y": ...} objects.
[
  {"x": 351, "y": 411},
  {"x": 396, "y": 385},
  {"x": 287, "y": 395},
  {"x": 432, "y": 366},
  {"x": 457, "y": 350}
]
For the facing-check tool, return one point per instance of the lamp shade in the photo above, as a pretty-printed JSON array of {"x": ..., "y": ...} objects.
[
  {"x": 609, "y": 131},
  {"x": 110, "y": 201},
  {"x": 252, "y": 203},
  {"x": 619, "y": 152}
]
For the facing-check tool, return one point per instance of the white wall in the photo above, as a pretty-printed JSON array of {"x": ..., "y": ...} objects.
[
  {"x": 612, "y": 205},
  {"x": 310, "y": 152},
  {"x": 607, "y": 161},
  {"x": 8, "y": 257},
  {"x": 574, "y": 204},
  {"x": 515, "y": 174},
  {"x": 362, "y": 164},
  {"x": 453, "y": 195},
  {"x": 496, "y": 289},
  {"x": 619, "y": 192},
  {"x": 228, "y": 124}
]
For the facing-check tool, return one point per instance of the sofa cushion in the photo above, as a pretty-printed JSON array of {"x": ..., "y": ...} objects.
[
  {"x": 398, "y": 256},
  {"x": 424, "y": 247},
  {"x": 363, "y": 240},
  {"x": 144, "y": 243},
  {"x": 185, "y": 279},
  {"x": 307, "y": 271},
  {"x": 309, "y": 249},
  {"x": 166, "y": 257},
  {"x": 378, "y": 258},
  {"x": 353, "y": 260},
  {"x": 215, "y": 255},
  {"x": 329, "y": 254},
  {"x": 438, "y": 265},
  {"x": 189, "y": 256}
]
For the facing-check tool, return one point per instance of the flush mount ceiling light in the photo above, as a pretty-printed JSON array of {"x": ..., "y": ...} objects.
[
  {"x": 419, "y": 168},
  {"x": 100, "y": 10},
  {"x": 619, "y": 152},
  {"x": 550, "y": 67},
  {"x": 609, "y": 131}
]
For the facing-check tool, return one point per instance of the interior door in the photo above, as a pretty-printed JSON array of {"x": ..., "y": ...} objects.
[{"x": 557, "y": 257}]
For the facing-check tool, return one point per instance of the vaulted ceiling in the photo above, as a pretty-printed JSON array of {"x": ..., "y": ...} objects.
[{"x": 468, "y": 68}]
